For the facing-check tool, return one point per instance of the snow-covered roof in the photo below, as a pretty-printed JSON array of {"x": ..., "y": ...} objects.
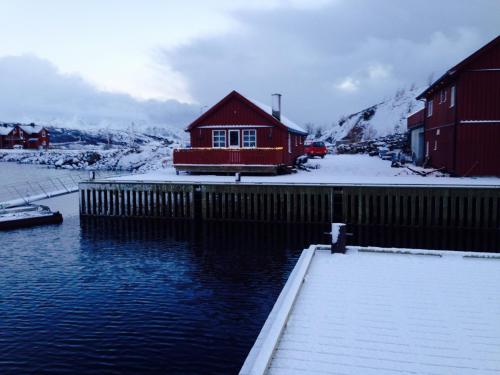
[
  {"x": 284, "y": 120},
  {"x": 4, "y": 130},
  {"x": 421, "y": 108},
  {"x": 30, "y": 129},
  {"x": 374, "y": 311}
]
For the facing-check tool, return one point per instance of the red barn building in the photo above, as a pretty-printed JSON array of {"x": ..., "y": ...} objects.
[
  {"x": 241, "y": 135},
  {"x": 462, "y": 115}
]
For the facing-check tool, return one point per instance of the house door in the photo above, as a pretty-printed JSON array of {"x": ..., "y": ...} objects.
[{"x": 234, "y": 138}]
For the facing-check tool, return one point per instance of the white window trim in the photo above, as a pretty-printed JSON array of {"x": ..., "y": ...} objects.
[
  {"x": 229, "y": 138},
  {"x": 453, "y": 93},
  {"x": 213, "y": 138},
  {"x": 435, "y": 145},
  {"x": 430, "y": 108},
  {"x": 243, "y": 138},
  {"x": 289, "y": 143}
]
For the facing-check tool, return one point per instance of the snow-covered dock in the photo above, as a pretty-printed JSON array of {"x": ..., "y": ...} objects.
[{"x": 384, "y": 311}]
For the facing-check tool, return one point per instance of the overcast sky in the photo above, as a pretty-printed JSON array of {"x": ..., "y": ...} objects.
[{"x": 161, "y": 61}]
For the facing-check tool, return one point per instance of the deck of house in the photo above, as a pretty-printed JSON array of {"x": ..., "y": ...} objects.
[
  {"x": 384, "y": 311},
  {"x": 266, "y": 160}
]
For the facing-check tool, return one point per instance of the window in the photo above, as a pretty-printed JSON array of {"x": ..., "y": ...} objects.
[
  {"x": 289, "y": 143},
  {"x": 234, "y": 138},
  {"x": 429, "y": 108},
  {"x": 427, "y": 149},
  {"x": 442, "y": 96},
  {"x": 438, "y": 131},
  {"x": 219, "y": 138},
  {"x": 435, "y": 145},
  {"x": 250, "y": 138},
  {"x": 452, "y": 96}
]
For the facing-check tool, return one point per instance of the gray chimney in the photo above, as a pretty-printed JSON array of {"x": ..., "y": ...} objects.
[{"x": 276, "y": 101}]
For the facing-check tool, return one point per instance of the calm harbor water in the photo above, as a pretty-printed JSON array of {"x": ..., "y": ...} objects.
[{"x": 150, "y": 297}]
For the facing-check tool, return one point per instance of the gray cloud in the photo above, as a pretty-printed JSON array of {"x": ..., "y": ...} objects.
[
  {"x": 337, "y": 59},
  {"x": 32, "y": 89}
]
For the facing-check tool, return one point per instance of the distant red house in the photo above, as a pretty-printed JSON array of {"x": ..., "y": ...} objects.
[
  {"x": 462, "y": 115},
  {"x": 6, "y": 134},
  {"x": 241, "y": 135},
  {"x": 36, "y": 136},
  {"x": 26, "y": 136}
]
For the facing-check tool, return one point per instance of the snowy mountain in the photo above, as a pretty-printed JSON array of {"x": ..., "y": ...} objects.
[
  {"x": 382, "y": 119},
  {"x": 102, "y": 149}
]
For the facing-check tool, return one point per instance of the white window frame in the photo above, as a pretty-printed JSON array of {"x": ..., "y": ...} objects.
[
  {"x": 430, "y": 108},
  {"x": 427, "y": 149},
  {"x": 249, "y": 143},
  {"x": 289, "y": 143},
  {"x": 435, "y": 145},
  {"x": 229, "y": 138},
  {"x": 452, "y": 96},
  {"x": 219, "y": 134}
]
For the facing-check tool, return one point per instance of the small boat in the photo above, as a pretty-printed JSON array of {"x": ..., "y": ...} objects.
[{"x": 28, "y": 216}]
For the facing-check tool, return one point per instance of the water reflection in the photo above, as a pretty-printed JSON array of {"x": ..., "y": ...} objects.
[{"x": 426, "y": 238}]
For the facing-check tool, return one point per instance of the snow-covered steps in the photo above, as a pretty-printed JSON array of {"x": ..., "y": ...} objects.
[{"x": 384, "y": 311}]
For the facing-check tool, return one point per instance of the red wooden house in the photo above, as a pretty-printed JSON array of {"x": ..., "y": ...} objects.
[
  {"x": 6, "y": 133},
  {"x": 462, "y": 115},
  {"x": 36, "y": 136},
  {"x": 26, "y": 136},
  {"x": 241, "y": 135}
]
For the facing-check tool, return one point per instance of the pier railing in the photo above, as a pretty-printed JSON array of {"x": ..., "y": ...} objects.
[
  {"x": 229, "y": 156},
  {"x": 33, "y": 190}
]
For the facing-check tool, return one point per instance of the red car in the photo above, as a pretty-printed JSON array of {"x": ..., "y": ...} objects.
[{"x": 316, "y": 149}]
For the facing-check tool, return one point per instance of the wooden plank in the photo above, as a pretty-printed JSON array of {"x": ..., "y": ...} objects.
[
  {"x": 446, "y": 207},
  {"x": 495, "y": 220},
  {"x": 289, "y": 196},
  {"x": 479, "y": 209},
  {"x": 390, "y": 213},
  {"x": 437, "y": 207},
  {"x": 470, "y": 212}
]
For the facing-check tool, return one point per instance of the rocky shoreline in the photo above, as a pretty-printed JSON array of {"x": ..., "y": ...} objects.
[{"x": 137, "y": 159}]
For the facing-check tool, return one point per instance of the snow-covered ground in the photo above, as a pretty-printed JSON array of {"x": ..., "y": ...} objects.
[{"x": 334, "y": 169}]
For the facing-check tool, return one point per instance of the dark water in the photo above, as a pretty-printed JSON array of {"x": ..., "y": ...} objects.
[
  {"x": 139, "y": 297},
  {"x": 148, "y": 297}
]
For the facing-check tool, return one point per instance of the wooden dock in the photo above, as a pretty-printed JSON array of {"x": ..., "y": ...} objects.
[
  {"x": 402, "y": 205},
  {"x": 383, "y": 311}
]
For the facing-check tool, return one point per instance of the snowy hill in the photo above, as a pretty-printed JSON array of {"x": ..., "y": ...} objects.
[
  {"x": 385, "y": 118},
  {"x": 102, "y": 149}
]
